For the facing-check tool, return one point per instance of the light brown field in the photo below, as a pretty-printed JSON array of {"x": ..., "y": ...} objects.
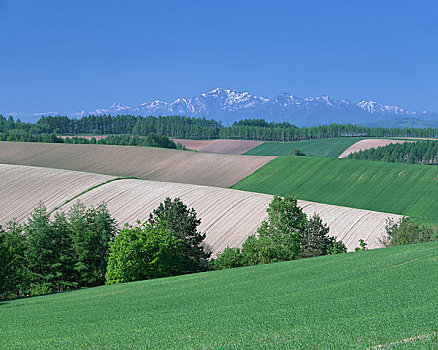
[
  {"x": 220, "y": 146},
  {"x": 88, "y": 137},
  {"x": 194, "y": 145},
  {"x": 230, "y": 216},
  {"x": 368, "y": 143},
  {"x": 150, "y": 163},
  {"x": 22, "y": 187}
]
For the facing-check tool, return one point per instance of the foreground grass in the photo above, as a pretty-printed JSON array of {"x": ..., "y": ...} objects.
[
  {"x": 332, "y": 147},
  {"x": 387, "y": 187},
  {"x": 355, "y": 300}
]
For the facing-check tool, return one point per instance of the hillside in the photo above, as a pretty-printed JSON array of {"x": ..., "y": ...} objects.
[
  {"x": 144, "y": 162},
  {"x": 22, "y": 187},
  {"x": 328, "y": 147},
  {"x": 220, "y": 146},
  {"x": 228, "y": 216},
  {"x": 350, "y": 301},
  {"x": 386, "y": 187},
  {"x": 367, "y": 144}
]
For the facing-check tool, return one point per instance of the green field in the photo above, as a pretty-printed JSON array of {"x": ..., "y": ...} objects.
[
  {"x": 319, "y": 147},
  {"x": 393, "y": 188},
  {"x": 353, "y": 300}
]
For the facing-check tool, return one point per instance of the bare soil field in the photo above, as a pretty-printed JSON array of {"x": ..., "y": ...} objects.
[
  {"x": 230, "y": 216},
  {"x": 220, "y": 146},
  {"x": 368, "y": 143},
  {"x": 22, "y": 187},
  {"x": 88, "y": 137},
  {"x": 150, "y": 163},
  {"x": 194, "y": 145}
]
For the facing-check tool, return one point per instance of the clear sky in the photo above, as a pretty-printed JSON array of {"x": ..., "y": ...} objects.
[{"x": 71, "y": 55}]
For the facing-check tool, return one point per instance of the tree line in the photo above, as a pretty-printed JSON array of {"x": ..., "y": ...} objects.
[
  {"x": 85, "y": 248},
  {"x": 419, "y": 152},
  {"x": 151, "y": 140},
  {"x": 201, "y": 128}
]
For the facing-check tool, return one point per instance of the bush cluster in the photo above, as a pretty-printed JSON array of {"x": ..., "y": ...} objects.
[
  {"x": 44, "y": 255},
  {"x": 287, "y": 234}
]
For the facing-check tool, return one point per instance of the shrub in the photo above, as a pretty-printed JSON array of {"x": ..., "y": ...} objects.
[{"x": 406, "y": 231}]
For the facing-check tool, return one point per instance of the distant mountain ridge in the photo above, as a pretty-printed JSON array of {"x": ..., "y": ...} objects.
[{"x": 230, "y": 105}]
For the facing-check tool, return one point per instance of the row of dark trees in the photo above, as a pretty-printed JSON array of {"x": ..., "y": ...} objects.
[
  {"x": 420, "y": 152},
  {"x": 151, "y": 140},
  {"x": 45, "y": 255},
  {"x": 201, "y": 128},
  {"x": 84, "y": 248}
]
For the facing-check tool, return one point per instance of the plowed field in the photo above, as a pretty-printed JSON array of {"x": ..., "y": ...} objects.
[
  {"x": 144, "y": 162},
  {"x": 220, "y": 146},
  {"x": 368, "y": 143},
  {"x": 228, "y": 216},
  {"x": 22, "y": 187}
]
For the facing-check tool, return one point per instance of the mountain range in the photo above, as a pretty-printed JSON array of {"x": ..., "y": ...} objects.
[{"x": 230, "y": 105}]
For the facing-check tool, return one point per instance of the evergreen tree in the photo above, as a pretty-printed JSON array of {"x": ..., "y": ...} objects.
[
  {"x": 92, "y": 230},
  {"x": 184, "y": 223}
]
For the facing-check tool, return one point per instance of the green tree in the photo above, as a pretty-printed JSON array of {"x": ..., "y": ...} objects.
[
  {"x": 183, "y": 222},
  {"x": 315, "y": 240},
  {"x": 229, "y": 258},
  {"x": 144, "y": 252},
  {"x": 406, "y": 231},
  {"x": 92, "y": 230},
  {"x": 41, "y": 255},
  {"x": 284, "y": 226},
  {"x": 14, "y": 279}
]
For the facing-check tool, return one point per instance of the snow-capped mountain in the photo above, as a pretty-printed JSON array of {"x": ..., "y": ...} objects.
[{"x": 230, "y": 105}]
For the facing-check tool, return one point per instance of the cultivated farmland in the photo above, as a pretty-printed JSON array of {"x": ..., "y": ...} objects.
[
  {"x": 367, "y": 144},
  {"x": 228, "y": 216},
  {"x": 385, "y": 187},
  {"x": 220, "y": 146},
  {"x": 22, "y": 187},
  {"x": 143, "y": 162},
  {"x": 348, "y": 301},
  {"x": 330, "y": 147}
]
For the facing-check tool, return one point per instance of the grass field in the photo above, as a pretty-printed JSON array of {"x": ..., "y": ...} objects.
[
  {"x": 386, "y": 187},
  {"x": 320, "y": 147},
  {"x": 350, "y": 301}
]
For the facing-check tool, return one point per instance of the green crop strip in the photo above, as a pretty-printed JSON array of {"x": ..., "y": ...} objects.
[
  {"x": 92, "y": 188},
  {"x": 328, "y": 147},
  {"x": 405, "y": 189},
  {"x": 348, "y": 301}
]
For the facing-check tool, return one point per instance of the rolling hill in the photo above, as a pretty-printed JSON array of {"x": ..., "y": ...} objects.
[
  {"x": 403, "y": 189},
  {"x": 228, "y": 216},
  {"x": 332, "y": 147},
  {"x": 221, "y": 146},
  {"x": 144, "y": 162},
  {"x": 350, "y": 301}
]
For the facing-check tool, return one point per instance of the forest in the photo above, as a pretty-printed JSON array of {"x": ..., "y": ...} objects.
[
  {"x": 151, "y": 140},
  {"x": 199, "y": 128},
  {"x": 420, "y": 152}
]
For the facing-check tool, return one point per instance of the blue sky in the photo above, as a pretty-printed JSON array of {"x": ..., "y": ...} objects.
[{"x": 72, "y": 55}]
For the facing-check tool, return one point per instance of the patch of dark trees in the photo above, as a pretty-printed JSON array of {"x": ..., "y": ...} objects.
[
  {"x": 419, "y": 152},
  {"x": 200, "y": 128}
]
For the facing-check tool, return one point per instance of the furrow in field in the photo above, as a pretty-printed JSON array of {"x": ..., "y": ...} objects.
[
  {"x": 230, "y": 216},
  {"x": 227, "y": 216},
  {"x": 22, "y": 187},
  {"x": 150, "y": 163},
  {"x": 221, "y": 146},
  {"x": 367, "y": 144}
]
